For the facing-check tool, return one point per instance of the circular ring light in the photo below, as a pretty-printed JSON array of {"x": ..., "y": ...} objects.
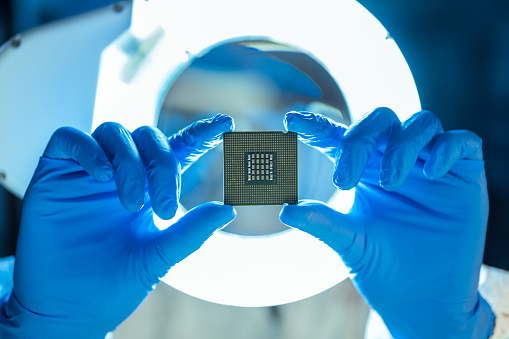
[
  {"x": 165, "y": 38},
  {"x": 255, "y": 82}
]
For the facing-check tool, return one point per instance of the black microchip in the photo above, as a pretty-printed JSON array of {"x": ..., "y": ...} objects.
[{"x": 260, "y": 168}]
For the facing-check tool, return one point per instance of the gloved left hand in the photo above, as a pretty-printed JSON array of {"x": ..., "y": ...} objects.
[{"x": 88, "y": 251}]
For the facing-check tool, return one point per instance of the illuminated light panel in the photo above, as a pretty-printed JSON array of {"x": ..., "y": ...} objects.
[{"x": 344, "y": 37}]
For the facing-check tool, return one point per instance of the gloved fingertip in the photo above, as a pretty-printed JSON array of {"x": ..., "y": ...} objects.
[
  {"x": 168, "y": 211},
  {"x": 220, "y": 117},
  {"x": 227, "y": 210},
  {"x": 132, "y": 207},
  {"x": 298, "y": 215},
  {"x": 130, "y": 192},
  {"x": 292, "y": 119},
  {"x": 432, "y": 171},
  {"x": 132, "y": 201},
  {"x": 342, "y": 178},
  {"x": 428, "y": 174},
  {"x": 220, "y": 213},
  {"x": 387, "y": 175},
  {"x": 389, "y": 179},
  {"x": 224, "y": 122},
  {"x": 299, "y": 115},
  {"x": 289, "y": 116},
  {"x": 307, "y": 215},
  {"x": 389, "y": 187},
  {"x": 342, "y": 182},
  {"x": 290, "y": 215},
  {"x": 104, "y": 173}
]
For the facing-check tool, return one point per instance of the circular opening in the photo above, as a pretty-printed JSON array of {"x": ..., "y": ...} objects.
[{"x": 255, "y": 82}]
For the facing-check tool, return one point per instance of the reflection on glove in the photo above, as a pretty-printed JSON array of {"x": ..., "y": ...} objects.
[
  {"x": 83, "y": 261},
  {"x": 414, "y": 238}
]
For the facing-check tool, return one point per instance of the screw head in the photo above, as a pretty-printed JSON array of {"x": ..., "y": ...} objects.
[
  {"x": 118, "y": 7},
  {"x": 16, "y": 41}
]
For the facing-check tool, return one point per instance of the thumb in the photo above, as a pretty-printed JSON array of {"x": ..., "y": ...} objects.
[
  {"x": 335, "y": 229},
  {"x": 188, "y": 234}
]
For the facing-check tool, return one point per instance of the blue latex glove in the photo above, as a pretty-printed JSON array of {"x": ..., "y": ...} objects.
[
  {"x": 414, "y": 238},
  {"x": 88, "y": 251}
]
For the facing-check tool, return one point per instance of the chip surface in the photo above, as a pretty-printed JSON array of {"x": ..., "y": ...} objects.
[{"x": 260, "y": 168}]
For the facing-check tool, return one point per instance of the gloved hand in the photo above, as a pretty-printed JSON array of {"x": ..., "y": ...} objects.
[
  {"x": 88, "y": 251},
  {"x": 414, "y": 238}
]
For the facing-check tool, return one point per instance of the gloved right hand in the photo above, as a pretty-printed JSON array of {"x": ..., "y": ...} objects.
[
  {"x": 88, "y": 251},
  {"x": 414, "y": 238}
]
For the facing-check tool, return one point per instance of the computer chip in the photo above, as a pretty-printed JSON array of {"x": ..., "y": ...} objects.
[{"x": 260, "y": 168}]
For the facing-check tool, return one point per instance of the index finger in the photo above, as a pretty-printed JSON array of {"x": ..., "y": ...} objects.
[
  {"x": 196, "y": 139},
  {"x": 162, "y": 170},
  {"x": 316, "y": 130}
]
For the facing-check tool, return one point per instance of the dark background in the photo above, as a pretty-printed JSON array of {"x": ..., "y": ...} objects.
[{"x": 458, "y": 52}]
